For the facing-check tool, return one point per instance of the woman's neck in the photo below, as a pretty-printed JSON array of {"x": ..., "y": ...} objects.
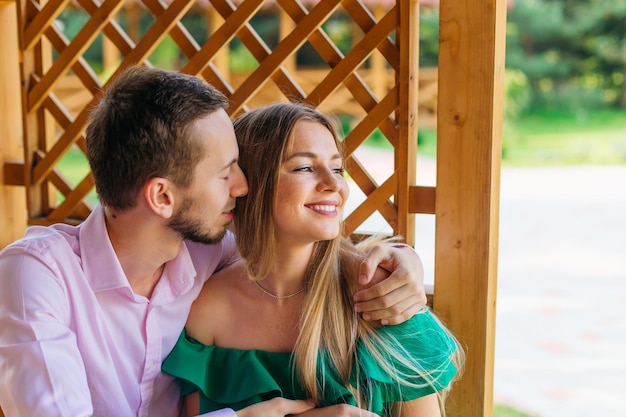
[{"x": 289, "y": 271}]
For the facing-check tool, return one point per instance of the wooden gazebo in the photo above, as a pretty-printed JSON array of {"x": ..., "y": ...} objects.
[{"x": 37, "y": 128}]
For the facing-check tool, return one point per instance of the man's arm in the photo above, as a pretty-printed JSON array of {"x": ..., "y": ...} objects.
[
  {"x": 400, "y": 296},
  {"x": 41, "y": 368}
]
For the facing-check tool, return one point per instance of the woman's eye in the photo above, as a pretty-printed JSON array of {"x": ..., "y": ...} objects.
[
  {"x": 304, "y": 169},
  {"x": 339, "y": 171}
]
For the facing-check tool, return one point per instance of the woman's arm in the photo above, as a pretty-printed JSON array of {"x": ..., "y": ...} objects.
[{"x": 427, "y": 406}]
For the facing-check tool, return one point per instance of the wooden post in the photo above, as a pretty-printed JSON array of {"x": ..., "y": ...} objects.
[
  {"x": 407, "y": 79},
  {"x": 13, "y": 214},
  {"x": 469, "y": 130}
]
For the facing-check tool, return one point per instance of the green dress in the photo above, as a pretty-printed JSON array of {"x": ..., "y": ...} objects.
[{"x": 234, "y": 378}]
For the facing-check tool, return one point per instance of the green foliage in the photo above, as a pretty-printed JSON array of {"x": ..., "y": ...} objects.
[
  {"x": 166, "y": 55},
  {"x": 429, "y": 37},
  {"x": 517, "y": 94},
  {"x": 572, "y": 52},
  {"x": 241, "y": 59}
]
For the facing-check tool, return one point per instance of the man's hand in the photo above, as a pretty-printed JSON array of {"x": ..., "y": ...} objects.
[
  {"x": 400, "y": 296},
  {"x": 341, "y": 410},
  {"x": 276, "y": 407}
]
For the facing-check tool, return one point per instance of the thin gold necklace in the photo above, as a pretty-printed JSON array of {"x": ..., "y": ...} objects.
[{"x": 279, "y": 297}]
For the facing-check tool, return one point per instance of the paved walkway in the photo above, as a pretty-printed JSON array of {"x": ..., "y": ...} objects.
[{"x": 561, "y": 306}]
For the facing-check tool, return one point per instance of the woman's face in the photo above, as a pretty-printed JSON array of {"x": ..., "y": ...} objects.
[{"x": 311, "y": 191}]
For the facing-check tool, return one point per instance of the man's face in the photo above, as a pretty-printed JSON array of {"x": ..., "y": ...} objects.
[{"x": 208, "y": 203}]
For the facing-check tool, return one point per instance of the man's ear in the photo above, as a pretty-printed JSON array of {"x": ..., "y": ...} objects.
[{"x": 160, "y": 197}]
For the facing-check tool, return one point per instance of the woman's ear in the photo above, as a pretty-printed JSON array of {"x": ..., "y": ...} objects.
[{"x": 160, "y": 197}]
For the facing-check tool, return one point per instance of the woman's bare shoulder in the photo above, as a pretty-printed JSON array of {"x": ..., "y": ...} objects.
[{"x": 212, "y": 305}]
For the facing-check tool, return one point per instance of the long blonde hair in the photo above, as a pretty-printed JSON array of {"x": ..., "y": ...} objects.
[{"x": 328, "y": 319}]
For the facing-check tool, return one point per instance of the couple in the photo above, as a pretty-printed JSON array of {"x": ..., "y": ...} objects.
[{"x": 88, "y": 313}]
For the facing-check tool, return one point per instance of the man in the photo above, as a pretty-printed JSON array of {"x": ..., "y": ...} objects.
[{"x": 88, "y": 313}]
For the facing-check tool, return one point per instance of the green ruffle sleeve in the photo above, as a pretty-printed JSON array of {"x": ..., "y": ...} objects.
[
  {"x": 420, "y": 344},
  {"x": 233, "y": 378}
]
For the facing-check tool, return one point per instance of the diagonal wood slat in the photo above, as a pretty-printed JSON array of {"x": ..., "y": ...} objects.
[
  {"x": 223, "y": 35},
  {"x": 111, "y": 30},
  {"x": 331, "y": 54},
  {"x": 368, "y": 185},
  {"x": 81, "y": 68},
  {"x": 143, "y": 48},
  {"x": 178, "y": 33},
  {"x": 82, "y": 209},
  {"x": 76, "y": 48},
  {"x": 67, "y": 139},
  {"x": 73, "y": 199},
  {"x": 260, "y": 51},
  {"x": 320, "y": 12},
  {"x": 155, "y": 34},
  {"x": 375, "y": 200},
  {"x": 354, "y": 59},
  {"x": 42, "y": 20},
  {"x": 363, "y": 18},
  {"x": 373, "y": 119}
]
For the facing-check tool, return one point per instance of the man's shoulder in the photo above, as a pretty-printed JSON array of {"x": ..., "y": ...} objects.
[{"x": 43, "y": 239}]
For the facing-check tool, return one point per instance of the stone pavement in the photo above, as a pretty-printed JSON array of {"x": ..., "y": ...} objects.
[{"x": 561, "y": 306}]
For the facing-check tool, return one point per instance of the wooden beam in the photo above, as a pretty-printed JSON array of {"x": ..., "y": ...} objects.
[
  {"x": 12, "y": 199},
  {"x": 13, "y": 173},
  {"x": 422, "y": 199},
  {"x": 469, "y": 129}
]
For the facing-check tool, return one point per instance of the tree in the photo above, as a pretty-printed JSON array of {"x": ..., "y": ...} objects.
[{"x": 573, "y": 52}]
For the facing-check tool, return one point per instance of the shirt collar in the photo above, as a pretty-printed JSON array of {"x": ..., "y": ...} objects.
[{"x": 104, "y": 272}]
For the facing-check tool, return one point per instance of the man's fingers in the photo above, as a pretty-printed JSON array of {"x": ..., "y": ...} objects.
[
  {"x": 394, "y": 313},
  {"x": 398, "y": 279},
  {"x": 374, "y": 257}
]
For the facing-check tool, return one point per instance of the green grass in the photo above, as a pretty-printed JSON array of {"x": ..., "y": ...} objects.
[
  {"x": 552, "y": 138},
  {"x": 500, "y": 410}
]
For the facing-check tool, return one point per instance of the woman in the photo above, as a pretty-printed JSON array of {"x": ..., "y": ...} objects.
[{"x": 288, "y": 299}]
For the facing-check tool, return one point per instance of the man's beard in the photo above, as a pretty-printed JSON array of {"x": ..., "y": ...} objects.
[{"x": 190, "y": 229}]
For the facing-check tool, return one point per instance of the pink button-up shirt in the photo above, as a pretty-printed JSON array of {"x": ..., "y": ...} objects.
[{"x": 74, "y": 338}]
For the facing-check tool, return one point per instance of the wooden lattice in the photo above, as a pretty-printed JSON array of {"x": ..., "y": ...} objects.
[{"x": 54, "y": 124}]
